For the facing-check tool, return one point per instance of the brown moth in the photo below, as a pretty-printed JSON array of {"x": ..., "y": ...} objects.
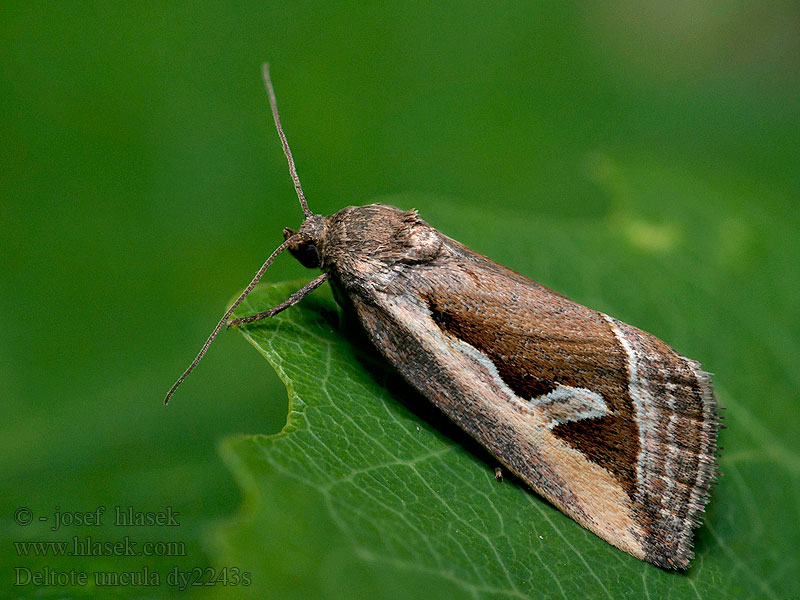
[{"x": 604, "y": 420}]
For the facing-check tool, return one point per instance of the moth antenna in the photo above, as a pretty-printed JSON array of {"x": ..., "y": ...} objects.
[
  {"x": 286, "y": 150},
  {"x": 227, "y": 314}
]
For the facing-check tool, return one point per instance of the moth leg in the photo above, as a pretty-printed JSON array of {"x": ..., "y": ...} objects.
[{"x": 290, "y": 301}]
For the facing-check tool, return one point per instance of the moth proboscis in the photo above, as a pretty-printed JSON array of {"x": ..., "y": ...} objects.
[{"x": 604, "y": 420}]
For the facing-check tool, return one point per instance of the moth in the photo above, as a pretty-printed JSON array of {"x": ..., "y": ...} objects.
[{"x": 604, "y": 420}]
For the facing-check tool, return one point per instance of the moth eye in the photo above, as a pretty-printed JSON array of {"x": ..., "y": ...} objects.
[{"x": 307, "y": 255}]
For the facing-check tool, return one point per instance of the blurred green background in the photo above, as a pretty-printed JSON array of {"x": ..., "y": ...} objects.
[{"x": 142, "y": 184}]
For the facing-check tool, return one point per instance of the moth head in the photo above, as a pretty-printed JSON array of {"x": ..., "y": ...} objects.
[{"x": 305, "y": 245}]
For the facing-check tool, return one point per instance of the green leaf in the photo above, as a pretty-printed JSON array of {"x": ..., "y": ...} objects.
[{"x": 368, "y": 492}]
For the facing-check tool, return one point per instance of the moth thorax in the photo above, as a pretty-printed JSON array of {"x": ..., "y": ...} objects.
[{"x": 422, "y": 244}]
